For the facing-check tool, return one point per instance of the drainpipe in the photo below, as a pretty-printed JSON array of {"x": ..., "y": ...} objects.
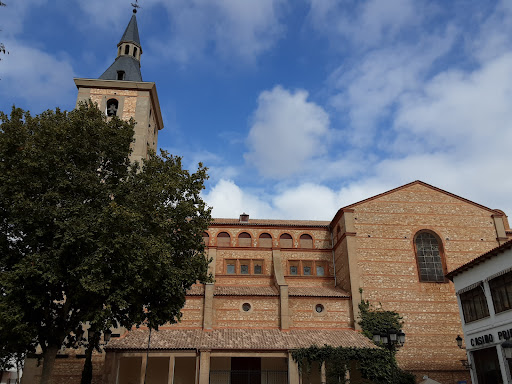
[{"x": 333, "y": 259}]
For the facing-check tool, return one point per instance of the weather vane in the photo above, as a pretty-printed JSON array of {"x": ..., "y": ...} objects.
[{"x": 135, "y": 6}]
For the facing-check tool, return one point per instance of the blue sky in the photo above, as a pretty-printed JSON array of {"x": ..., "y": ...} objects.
[{"x": 298, "y": 107}]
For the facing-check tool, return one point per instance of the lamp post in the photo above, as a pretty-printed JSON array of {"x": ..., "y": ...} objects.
[
  {"x": 391, "y": 339},
  {"x": 465, "y": 363}
]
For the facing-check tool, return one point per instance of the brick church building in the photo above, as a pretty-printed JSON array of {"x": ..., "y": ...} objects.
[{"x": 281, "y": 285}]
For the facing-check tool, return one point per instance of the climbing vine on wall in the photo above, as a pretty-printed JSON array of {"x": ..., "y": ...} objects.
[
  {"x": 377, "y": 321},
  {"x": 376, "y": 365}
]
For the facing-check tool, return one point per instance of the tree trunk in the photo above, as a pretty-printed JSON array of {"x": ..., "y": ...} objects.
[
  {"x": 49, "y": 356},
  {"x": 87, "y": 370}
]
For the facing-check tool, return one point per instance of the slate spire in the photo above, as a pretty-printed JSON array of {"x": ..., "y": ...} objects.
[
  {"x": 131, "y": 34},
  {"x": 126, "y": 67}
]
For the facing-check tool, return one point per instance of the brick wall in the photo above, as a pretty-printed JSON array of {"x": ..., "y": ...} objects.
[{"x": 385, "y": 255}]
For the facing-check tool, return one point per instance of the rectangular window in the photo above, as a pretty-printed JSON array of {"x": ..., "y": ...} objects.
[
  {"x": 244, "y": 267},
  {"x": 501, "y": 291},
  {"x": 319, "y": 270},
  {"x": 258, "y": 267},
  {"x": 231, "y": 267},
  {"x": 293, "y": 270},
  {"x": 474, "y": 305},
  {"x": 307, "y": 268}
]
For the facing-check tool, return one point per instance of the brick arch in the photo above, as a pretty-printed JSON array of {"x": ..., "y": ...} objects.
[
  {"x": 265, "y": 240},
  {"x": 223, "y": 239},
  {"x": 244, "y": 239},
  {"x": 285, "y": 240},
  {"x": 306, "y": 241}
]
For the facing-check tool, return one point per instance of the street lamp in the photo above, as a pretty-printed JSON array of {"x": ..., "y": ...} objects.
[
  {"x": 466, "y": 364},
  {"x": 391, "y": 339},
  {"x": 458, "y": 339}
]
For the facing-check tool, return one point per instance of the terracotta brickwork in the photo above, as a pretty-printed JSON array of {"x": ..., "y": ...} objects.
[
  {"x": 228, "y": 312},
  {"x": 369, "y": 245},
  {"x": 336, "y": 313},
  {"x": 385, "y": 260}
]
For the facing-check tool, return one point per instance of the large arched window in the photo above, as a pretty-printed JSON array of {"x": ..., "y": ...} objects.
[
  {"x": 223, "y": 239},
  {"x": 429, "y": 256},
  {"x": 286, "y": 241},
  {"x": 265, "y": 240},
  {"x": 244, "y": 240}
]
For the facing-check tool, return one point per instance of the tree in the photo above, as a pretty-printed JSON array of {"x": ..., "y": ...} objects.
[{"x": 88, "y": 238}]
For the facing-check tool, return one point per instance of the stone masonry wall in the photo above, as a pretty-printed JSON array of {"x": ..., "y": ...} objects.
[
  {"x": 336, "y": 312},
  {"x": 386, "y": 260}
]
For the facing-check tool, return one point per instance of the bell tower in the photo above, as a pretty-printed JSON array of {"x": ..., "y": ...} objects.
[{"x": 120, "y": 91}]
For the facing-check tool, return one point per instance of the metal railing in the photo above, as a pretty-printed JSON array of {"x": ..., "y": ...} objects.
[{"x": 248, "y": 377}]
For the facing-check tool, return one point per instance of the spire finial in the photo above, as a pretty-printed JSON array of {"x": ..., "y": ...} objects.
[{"x": 135, "y": 6}]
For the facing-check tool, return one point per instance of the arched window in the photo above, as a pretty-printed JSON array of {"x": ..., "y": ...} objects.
[
  {"x": 306, "y": 241},
  {"x": 428, "y": 253},
  {"x": 112, "y": 107},
  {"x": 206, "y": 238},
  {"x": 244, "y": 240},
  {"x": 126, "y": 49},
  {"x": 286, "y": 241},
  {"x": 265, "y": 240},
  {"x": 134, "y": 51},
  {"x": 223, "y": 239}
]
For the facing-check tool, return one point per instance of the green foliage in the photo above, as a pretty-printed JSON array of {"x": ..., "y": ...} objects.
[
  {"x": 376, "y": 320},
  {"x": 374, "y": 365},
  {"x": 85, "y": 236}
]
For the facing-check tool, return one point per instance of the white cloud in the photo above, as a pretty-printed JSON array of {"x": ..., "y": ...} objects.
[
  {"x": 303, "y": 202},
  {"x": 13, "y": 14},
  {"x": 307, "y": 202},
  {"x": 370, "y": 90},
  {"x": 36, "y": 80},
  {"x": 448, "y": 124},
  {"x": 287, "y": 132},
  {"x": 471, "y": 112},
  {"x": 228, "y": 200},
  {"x": 231, "y": 28},
  {"x": 364, "y": 23}
]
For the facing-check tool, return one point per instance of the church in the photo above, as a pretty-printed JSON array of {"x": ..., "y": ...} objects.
[{"x": 280, "y": 285}]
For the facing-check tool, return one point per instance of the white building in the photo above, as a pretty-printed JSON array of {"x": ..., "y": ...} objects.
[{"x": 484, "y": 292}]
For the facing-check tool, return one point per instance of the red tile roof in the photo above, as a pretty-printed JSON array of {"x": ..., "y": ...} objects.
[
  {"x": 239, "y": 339},
  {"x": 196, "y": 290},
  {"x": 273, "y": 223},
  {"x": 239, "y": 290},
  {"x": 317, "y": 292}
]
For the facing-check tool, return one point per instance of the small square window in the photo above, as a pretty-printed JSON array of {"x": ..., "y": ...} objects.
[
  {"x": 319, "y": 270},
  {"x": 258, "y": 268},
  {"x": 293, "y": 270},
  {"x": 307, "y": 271},
  {"x": 231, "y": 269},
  {"x": 244, "y": 269}
]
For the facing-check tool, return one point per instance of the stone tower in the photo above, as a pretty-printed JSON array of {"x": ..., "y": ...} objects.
[{"x": 120, "y": 91}]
